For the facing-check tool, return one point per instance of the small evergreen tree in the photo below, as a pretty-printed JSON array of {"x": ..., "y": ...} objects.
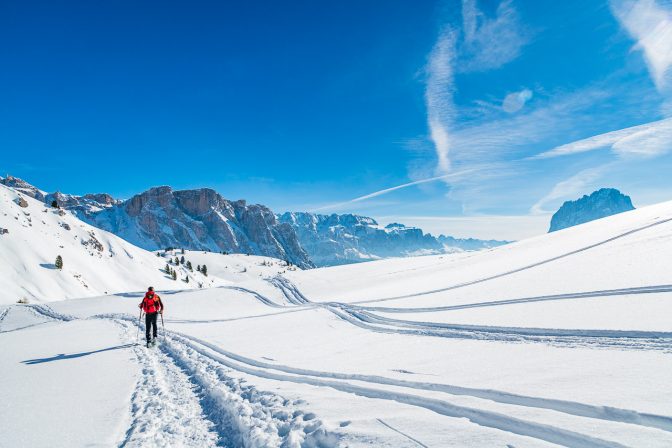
[
  {"x": 174, "y": 275},
  {"x": 167, "y": 269},
  {"x": 204, "y": 270},
  {"x": 198, "y": 268},
  {"x": 177, "y": 261},
  {"x": 186, "y": 280},
  {"x": 54, "y": 204},
  {"x": 59, "y": 262},
  {"x": 183, "y": 251},
  {"x": 189, "y": 266},
  {"x": 182, "y": 259}
]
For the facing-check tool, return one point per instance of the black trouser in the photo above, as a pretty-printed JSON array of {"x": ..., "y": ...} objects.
[{"x": 150, "y": 320}]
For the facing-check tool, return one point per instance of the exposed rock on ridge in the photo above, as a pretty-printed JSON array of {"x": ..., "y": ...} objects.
[{"x": 601, "y": 203}]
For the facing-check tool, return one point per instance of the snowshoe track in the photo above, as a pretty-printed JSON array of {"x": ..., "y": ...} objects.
[
  {"x": 480, "y": 417},
  {"x": 165, "y": 407}
]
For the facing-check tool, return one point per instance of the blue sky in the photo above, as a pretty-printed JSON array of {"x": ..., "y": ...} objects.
[{"x": 471, "y": 118}]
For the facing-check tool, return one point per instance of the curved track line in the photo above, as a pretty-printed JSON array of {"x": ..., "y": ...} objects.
[
  {"x": 522, "y": 331},
  {"x": 522, "y": 268},
  {"x": 568, "y": 407},
  {"x": 483, "y": 418},
  {"x": 574, "y": 295}
]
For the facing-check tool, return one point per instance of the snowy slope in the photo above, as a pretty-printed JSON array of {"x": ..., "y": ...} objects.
[
  {"x": 95, "y": 262},
  {"x": 561, "y": 340}
]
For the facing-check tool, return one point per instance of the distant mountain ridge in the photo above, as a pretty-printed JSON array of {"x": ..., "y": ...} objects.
[
  {"x": 202, "y": 219},
  {"x": 192, "y": 219},
  {"x": 599, "y": 204},
  {"x": 340, "y": 239}
]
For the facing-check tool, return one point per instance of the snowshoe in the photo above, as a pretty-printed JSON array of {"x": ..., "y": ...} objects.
[
  {"x": 153, "y": 342},
  {"x": 149, "y": 344}
]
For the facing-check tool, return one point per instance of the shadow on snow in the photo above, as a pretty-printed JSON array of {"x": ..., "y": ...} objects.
[{"x": 63, "y": 356}]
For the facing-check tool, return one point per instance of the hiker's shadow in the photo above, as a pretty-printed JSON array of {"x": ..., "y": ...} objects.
[{"x": 63, "y": 356}]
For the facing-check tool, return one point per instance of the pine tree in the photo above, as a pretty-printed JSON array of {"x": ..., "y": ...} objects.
[
  {"x": 183, "y": 253},
  {"x": 198, "y": 268},
  {"x": 182, "y": 259},
  {"x": 59, "y": 262},
  {"x": 177, "y": 261},
  {"x": 174, "y": 275},
  {"x": 189, "y": 266},
  {"x": 54, "y": 204},
  {"x": 167, "y": 269},
  {"x": 204, "y": 270}
]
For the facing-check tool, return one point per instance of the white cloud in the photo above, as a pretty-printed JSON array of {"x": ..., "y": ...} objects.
[
  {"x": 569, "y": 188},
  {"x": 515, "y": 101},
  {"x": 649, "y": 139},
  {"x": 439, "y": 96},
  {"x": 451, "y": 176},
  {"x": 650, "y": 24},
  {"x": 488, "y": 42}
]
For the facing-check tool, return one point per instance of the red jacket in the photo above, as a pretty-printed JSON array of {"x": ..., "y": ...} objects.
[{"x": 151, "y": 303}]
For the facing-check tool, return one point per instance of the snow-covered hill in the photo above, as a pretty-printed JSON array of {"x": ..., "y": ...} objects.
[
  {"x": 95, "y": 262},
  {"x": 559, "y": 340}
]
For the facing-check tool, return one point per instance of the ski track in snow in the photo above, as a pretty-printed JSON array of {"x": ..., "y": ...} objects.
[
  {"x": 522, "y": 268},
  {"x": 572, "y": 295},
  {"x": 363, "y": 318},
  {"x": 206, "y": 366},
  {"x": 479, "y": 417},
  {"x": 358, "y": 316},
  {"x": 417, "y": 442}
]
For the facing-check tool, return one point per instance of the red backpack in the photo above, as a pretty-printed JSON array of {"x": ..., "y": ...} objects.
[{"x": 151, "y": 303}]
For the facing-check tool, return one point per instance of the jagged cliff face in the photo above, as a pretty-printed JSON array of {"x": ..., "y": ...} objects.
[
  {"x": 601, "y": 203},
  {"x": 203, "y": 220},
  {"x": 340, "y": 239},
  {"x": 200, "y": 220}
]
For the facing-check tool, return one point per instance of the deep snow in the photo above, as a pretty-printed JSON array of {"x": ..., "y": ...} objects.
[{"x": 560, "y": 340}]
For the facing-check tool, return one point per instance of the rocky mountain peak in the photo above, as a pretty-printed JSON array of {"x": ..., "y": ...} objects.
[
  {"x": 599, "y": 204},
  {"x": 201, "y": 219}
]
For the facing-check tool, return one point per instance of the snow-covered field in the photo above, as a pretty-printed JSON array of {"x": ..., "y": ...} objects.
[{"x": 560, "y": 340}]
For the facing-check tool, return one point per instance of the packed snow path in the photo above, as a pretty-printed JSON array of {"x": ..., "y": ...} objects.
[{"x": 188, "y": 396}]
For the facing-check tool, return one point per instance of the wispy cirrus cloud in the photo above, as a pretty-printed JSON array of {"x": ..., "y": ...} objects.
[
  {"x": 451, "y": 176},
  {"x": 490, "y": 42},
  {"x": 570, "y": 187},
  {"x": 484, "y": 43},
  {"x": 650, "y": 23},
  {"x": 439, "y": 96},
  {"x": 650, "y": 139}
]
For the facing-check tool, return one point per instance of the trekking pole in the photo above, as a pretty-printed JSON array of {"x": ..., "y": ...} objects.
[
  {"x": 137, "y": 337},
  {"x": 163, "y": 329}
]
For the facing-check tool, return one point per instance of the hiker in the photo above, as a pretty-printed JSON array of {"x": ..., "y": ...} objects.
[{"x": 152, "y": 306}]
